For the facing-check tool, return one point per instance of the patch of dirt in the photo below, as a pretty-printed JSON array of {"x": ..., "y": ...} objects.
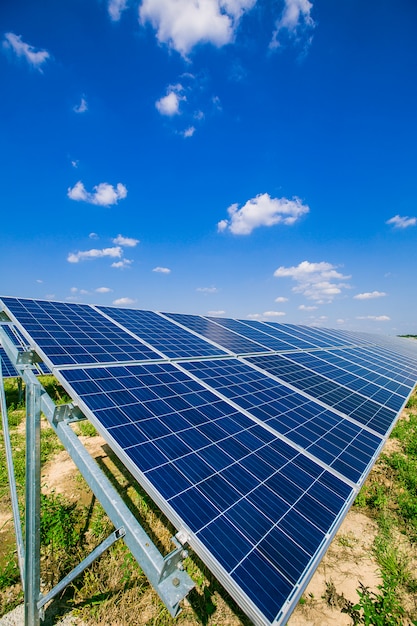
[
  {"x": 59, "y": 474},
  {"x": 347, "y": 561}
]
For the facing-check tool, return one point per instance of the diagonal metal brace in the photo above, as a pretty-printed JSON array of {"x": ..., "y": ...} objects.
[{"x": 104, "y": 545}]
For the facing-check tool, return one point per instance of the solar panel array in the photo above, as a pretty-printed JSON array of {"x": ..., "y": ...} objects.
[{"x": 252, "y": 437}]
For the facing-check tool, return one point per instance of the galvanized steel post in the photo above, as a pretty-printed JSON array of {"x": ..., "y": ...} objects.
[{"x": 32, "y": 512}]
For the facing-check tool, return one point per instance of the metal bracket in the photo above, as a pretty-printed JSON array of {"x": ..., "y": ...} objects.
[
  {"x": 67, "y": 413},
  {"x": 28, "y": 358},
  {"x": 173, "y": 561}
]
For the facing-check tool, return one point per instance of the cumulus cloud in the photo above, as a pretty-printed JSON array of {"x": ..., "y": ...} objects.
[
  {"x": 170, "y": 104},
  {"x": 94, "y": 253},
  {"x": 274, "y": 313},
  {"x": 315, "y": 281},
  {"x": 215, "y": 313},
  {"x": 295, "y": 20},
  {"x": 162, "y": 270},
  {"x": 123, "y": 301},
  {"x": 304, "y": 307},
  {"x": 262, "y": 211},
  {"x": 82, "y": 107},
  {"x": 281, "y": 299},
  {"x": 102, "y": 195},
  {"x": 185, "y": 23},
  {"x": 116, "y": 8},
  {"x": 35, "y": 58},
  {"x": 128, "y": 242},
  {"x": 402, "y": 222},
  {"x": 103, "y": 290},
  {"x": 121, "y": 265},
  {"x": 189, "y": 132},
  {"x": 369, "y": 295},
  {"x": 374, "y": 318}
]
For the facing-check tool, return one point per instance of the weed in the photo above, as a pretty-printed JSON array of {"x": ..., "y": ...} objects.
[
  {"x": 9, "y": 575},
  {"x": 382, "y": 608},
  {"x": 59, "y": 522},
  {"x": 86, "y": 429}
]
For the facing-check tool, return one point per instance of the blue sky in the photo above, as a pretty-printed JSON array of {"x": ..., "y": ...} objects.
[{"x": 245, "y": 158}]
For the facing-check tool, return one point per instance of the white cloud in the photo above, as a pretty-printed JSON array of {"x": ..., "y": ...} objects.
[
  {"x": 35, "y": 58},
  {"x": 295, "y": 20},
  {"x": 340, "y": 321},
  {"x": 123, "y": 301},
  {"x": 39, "y": 280},
  {"x": 170, "y": 104},
  {"x": 369, "y": 295},
  {"x": 254, "y": 316},
  {"x": 162, "y": 270},
  {"x": 74, "y": 164},
  {"x": 315, "y": 281},
  {"x": 94, "y": 253},
  {"x": 122, "y": 264},
  {"x": 402, "y": 222},
  {"x": 207, "y": 289},
  {"x": 93, "y": 236},
  {"x": 82, "y": 107},
  {"x": 281, "y": 299},
  {"x": 74, "y": 289},
  {"x": 274, "y": 313},
  {"x": 374, "y": 318},
  {"x": 215, "y": 313},
  {"x": 103, "y": 194},
  {"x": 182, "y": 24},
  {"x": 116, "y": 8},
  {"x": 128, "y": 242},
  {"x": 189, "y": 132},
  {"x": 304, "y": 307},
  {"x": 103, "y": 290},
  {"x": 262, "y": 211}
]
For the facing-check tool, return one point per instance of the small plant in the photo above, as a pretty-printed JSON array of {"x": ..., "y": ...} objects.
[
  {"x": 86, "y": 429},
  {"x": 381, "y": 608},
  {"x": 59, "y": 521}
]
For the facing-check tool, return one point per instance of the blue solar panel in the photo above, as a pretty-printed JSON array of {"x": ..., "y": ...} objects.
[
  {"x": 75, "y": 334},
  {"x": 256, "y": 458},
  {"x": 358, "y": 407},
  {"x": 165, "y": 336},
  {"x": 7, "y": 367},
  {"x": 341, "y": 444},
  {"x": 218, "y": 334},
  {"x": 258, "y": 334},
  {"x": 245, "y": 497}
]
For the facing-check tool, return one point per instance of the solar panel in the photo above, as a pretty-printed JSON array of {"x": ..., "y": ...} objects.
[
  {"x": 230, "y": 340},
  {"x": 75, "y": 334},
  {"x": 252, "y": 437},
  {"x": 7, "y": 367},
  {"x": 164, "y": 335},
  {"x": 240, "y": 492}
]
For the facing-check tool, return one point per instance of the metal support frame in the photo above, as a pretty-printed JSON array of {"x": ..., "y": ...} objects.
[{"x": 166, "y": 574}]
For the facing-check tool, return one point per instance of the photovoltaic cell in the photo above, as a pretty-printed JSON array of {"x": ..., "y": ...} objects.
[
  {"x": 245, "y": 496},
  {"x": 75, "y": 334},
  {"x": 165, "y": 336},
  {"x": 216, "y": 333}
]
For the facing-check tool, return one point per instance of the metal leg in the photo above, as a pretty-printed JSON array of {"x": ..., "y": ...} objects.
[
  {"x": 32, "y": 513},
  {"x": 12, "y": 482}
]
